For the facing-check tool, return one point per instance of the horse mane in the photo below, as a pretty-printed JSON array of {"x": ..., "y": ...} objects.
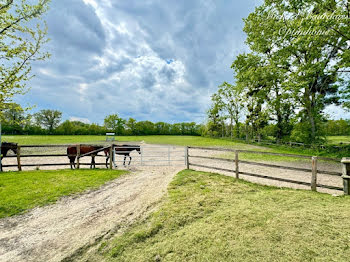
[{"x": 9, "y": 144}]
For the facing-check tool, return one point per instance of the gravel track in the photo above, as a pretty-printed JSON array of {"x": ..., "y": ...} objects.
[{"x": 54, "y": 232}]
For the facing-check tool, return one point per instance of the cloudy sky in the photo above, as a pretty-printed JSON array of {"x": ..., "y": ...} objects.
[{"x": 157, "y": 60}]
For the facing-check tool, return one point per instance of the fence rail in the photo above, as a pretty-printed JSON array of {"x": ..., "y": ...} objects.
[
  {"x": 264, "y": 153},
  {"x": 162, "y": 155},
  {"x": 236, "y": 161}
]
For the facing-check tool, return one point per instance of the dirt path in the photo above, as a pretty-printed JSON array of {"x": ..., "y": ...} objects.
[{"x": 54, "y": 232}]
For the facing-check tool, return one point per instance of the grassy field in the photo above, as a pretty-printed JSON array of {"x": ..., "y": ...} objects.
[
  {"x": 20, "y": 191},
  {"x": 339, "y": 139},
  {"x": 210, "y": 217},
  {"x": 177, "y": 140},
  {"x": 173, "y": 140}
]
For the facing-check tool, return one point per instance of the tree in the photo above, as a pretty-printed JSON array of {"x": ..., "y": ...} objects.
[
  {"x": 215, "y": 116},
  {"x": 130, "y": 124},
  {"x": 14, "y": 114},
  {"x": 20, "y": 45},
  {"x": 144, "y": 128},
  {"x": 232, "y": 103},
  {"x": 283, "y": 32},
  {"x": 115, "y": 123},
  {"x": 14, "y": 119},
  {"x": 49, "y": 119},
  {"x": 258, "y": 75}
]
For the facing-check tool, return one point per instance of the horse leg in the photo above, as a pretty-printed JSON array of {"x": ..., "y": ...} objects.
[
  {"x": 124, "y": 160},
  {"x": 107, "y": 158},
  {"x": 93, "y": 162},
  {"x": 72, "y": 162},
  {"x": 129, "y": 160}
]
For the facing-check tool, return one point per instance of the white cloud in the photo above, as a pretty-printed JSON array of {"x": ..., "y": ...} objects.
[
  {"x": 155, "y": 60},
  {"x": 336, "y": 112}
]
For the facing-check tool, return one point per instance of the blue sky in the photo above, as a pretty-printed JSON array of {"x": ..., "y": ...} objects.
[{"x": 150, "y": 60}]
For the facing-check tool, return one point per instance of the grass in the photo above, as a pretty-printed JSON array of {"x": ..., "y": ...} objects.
[
  {"x": 339, "y": 139},
  {"x": 210, "y": 217},
  {"x": 173, "y": 140},
  {"x": 180, "y": 141},
  {"x": 20, "y": 191}
]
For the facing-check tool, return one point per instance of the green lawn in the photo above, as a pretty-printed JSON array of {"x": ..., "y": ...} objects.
[
  {"x": 210, "y": 217},
  {"x": 20, "y": 191},
  {"x": 174, "y": 140},
  {"x": 339, "y": 139}
]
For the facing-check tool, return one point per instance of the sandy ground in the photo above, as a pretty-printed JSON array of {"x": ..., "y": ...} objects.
[{"x": 57, "y": 231}]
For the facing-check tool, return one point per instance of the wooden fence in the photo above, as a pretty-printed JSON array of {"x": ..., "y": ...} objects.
[
  {"x": 169, "y": 155},
  {"x": 19, "y": 156},
  {"x": 313, "y": 170}
]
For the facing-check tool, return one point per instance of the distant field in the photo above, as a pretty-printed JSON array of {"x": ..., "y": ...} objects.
[
  {"x": 339, "y": 139},
  {"x": 210, "y": 217},
  {"x": 20, "y": 191},
  {"x": 173, "y": 140}
]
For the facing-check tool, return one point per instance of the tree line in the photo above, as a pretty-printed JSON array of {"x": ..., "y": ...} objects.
[
  {"x": 49, "y": 122},
  {"x": 290, "y": 75}
]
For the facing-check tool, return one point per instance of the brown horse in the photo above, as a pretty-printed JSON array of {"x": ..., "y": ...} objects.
[
  {"x": 124, "y": 150},
  {"x": 5, "y": 147},
  {"x": 84, "y": 149}
]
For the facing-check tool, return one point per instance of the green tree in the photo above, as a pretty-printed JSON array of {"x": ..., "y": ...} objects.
[
  {"x": 20, "y": 45},
  {"x": 130, "y": 124},
  {"x": 115, "y": 123},
  {"x": 311, "y": 61},
  {"x": 14, "y": 114},
  {"x": 144, "y": 128},
  {"x": 215, "y": 124},
  {"x": 49, "y": 119},
  {"x": 232, "y": 102}
]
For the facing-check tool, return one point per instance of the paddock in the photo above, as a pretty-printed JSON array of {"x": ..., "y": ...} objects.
[
  {"x": 302, "y": 172},
  {"x": 52, "y": 157},
  {"x": 320, "y": 174}
]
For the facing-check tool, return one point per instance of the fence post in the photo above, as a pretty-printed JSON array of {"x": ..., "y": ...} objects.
[
  {"x": 19, "y": 158},
  {"x": 236, "y": 164},
  {"x": 314, "y": 174},
  {"x": 187, "y": 158},
  {"x": 114, "y": 164},
  {"x": 78, "y": 156},
  {"x": 111, "y": 157},
  {"x": 346, "y": 175}
]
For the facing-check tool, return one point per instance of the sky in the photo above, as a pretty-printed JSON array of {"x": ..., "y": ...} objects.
[{"x": 157, "y": 60}]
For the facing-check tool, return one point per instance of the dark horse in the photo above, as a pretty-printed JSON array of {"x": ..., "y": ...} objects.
[
  {"x": 123, "y": 150},
  {"x": 84, "y": 149},
  {"x": 5, "y": 147}
]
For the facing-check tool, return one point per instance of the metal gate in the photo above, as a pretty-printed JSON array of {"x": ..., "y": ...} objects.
[{"x": 148, "y": 155}]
